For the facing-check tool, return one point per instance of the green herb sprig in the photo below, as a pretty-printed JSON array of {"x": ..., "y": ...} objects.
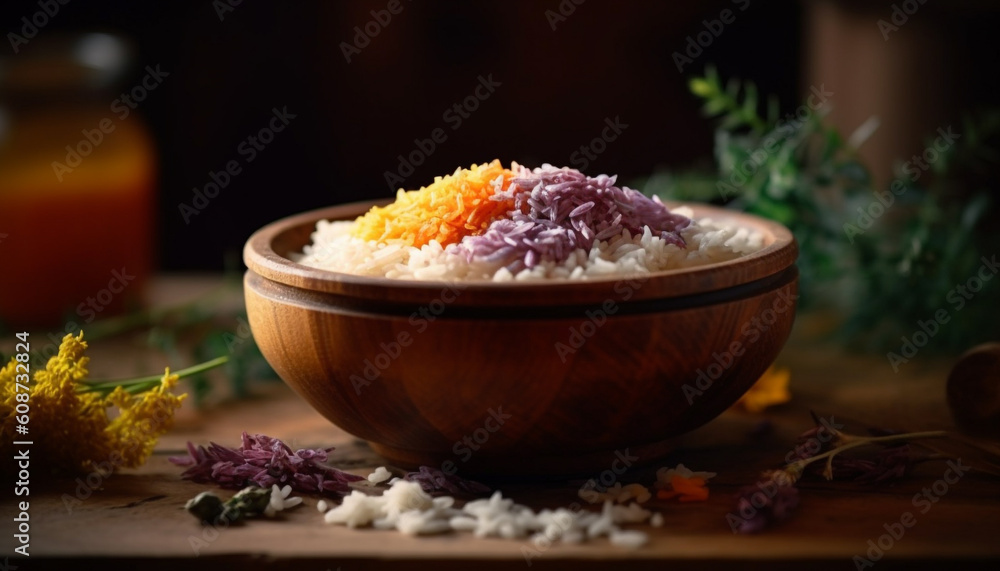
[{"x": 900, "y": 269}]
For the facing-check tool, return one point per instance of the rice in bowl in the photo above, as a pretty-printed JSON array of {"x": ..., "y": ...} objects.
[{"x": 493, "y": 224}]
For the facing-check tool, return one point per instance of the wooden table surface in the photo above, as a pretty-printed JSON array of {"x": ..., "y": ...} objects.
[{"x": 135, "y": 517}]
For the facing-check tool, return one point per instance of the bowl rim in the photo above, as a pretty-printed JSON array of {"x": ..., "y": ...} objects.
[{"x": 261, "y": 257}]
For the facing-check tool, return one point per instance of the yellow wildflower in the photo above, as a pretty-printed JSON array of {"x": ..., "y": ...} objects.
[
  {"x": 8, "y": 396},
  {"x": 142, "y": 419},
  {"x": 63, "y": 422},
  {"x": 69, "y": 425},
  {"x": 770, "y": 389}
]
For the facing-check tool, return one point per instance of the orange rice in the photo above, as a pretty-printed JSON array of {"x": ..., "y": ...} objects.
[{"x": 447, "y": 210}]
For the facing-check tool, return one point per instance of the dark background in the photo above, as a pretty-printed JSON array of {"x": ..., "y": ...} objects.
[{"x": 607, "y": 59}]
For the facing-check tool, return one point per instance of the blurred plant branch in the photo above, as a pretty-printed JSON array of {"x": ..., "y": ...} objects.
[
  {"x": 207, "y": 328},
  {"x": 885, "y": 259}
]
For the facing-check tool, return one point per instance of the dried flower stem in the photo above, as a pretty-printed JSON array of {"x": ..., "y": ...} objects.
[
  {"x": 848, "y": 441},
  {"x": 142, "y": 384}
]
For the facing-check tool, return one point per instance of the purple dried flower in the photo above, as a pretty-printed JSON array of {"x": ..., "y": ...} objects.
[
  {"x": 812, "y": 442},
  {"x": 890, "y": 464},
  {"x": 774, "y": 497},
  {"x": 560, "y": 210},
  {"x": 264, "y": 461},
  {"x": 844, "y": 468},
  {"x": 819, "y": 439},
  {"x": 435, "y": 481},
  {"x": 770, "y": 500}
]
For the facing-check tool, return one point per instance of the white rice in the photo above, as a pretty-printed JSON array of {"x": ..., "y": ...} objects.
[
  {"x": 333, "y": 248},
  {"x": 279, "y": 500},
  {"x": 380, "y": 475},
  {"x": 406, "y": 508},
  {"x": 630, "y": 538}
]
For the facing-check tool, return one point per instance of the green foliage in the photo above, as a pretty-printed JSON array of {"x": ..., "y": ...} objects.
[
  {"x": 206, "y": 325},
  {"x": 885, "y": 272}
]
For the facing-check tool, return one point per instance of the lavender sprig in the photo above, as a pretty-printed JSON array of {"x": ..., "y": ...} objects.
[
  {"x": 845, "y": 442},
  {"x": 771, "y": 499},
  {"x": 264, "y": 461},
  {"x": 774, "y": 496}
]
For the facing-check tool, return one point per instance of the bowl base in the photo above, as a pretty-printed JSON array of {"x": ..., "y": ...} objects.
[{"x": 525, "y": 467}]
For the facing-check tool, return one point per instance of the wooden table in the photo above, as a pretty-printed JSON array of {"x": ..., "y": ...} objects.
[{"x": 135, "y": 517}]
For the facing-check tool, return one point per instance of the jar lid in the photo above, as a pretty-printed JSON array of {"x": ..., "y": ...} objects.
[{"x": 64, "y": 64}]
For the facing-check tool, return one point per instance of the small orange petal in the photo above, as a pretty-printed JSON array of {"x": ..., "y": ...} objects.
[
  {"x": 685, "y": 490},
  {"x": 682, "y": 484}
]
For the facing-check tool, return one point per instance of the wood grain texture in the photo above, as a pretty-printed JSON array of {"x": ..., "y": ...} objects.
[
  {"x": 114, "y": 528},
  {"x": 428, "y": 371}
]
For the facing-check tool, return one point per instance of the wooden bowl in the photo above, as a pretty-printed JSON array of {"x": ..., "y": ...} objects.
[{"x": 524, "y": 378}]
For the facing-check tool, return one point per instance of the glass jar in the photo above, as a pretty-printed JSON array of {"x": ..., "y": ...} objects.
[{"x": 77, "y": 184}]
